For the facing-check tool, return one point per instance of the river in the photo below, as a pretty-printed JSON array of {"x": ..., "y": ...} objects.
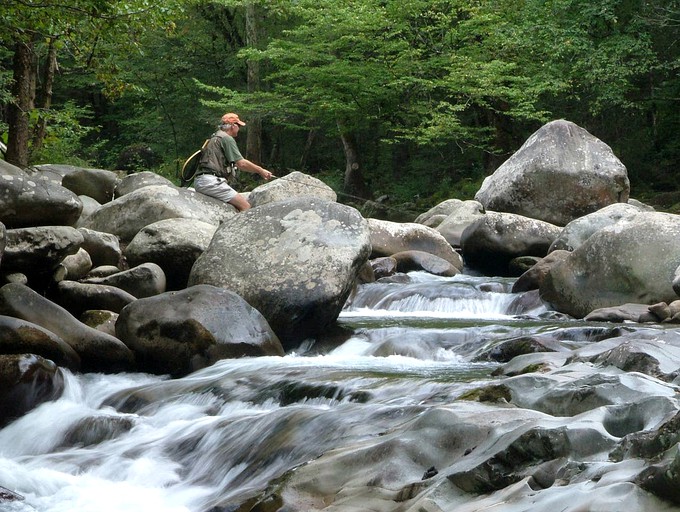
[{"x": 222, "y": 435}]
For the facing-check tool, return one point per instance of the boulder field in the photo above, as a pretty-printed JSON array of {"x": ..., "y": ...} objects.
[{"x": 106, "y": 272}]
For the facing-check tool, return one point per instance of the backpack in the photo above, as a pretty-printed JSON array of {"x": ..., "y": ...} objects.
[{"x": 188, "y": 171}]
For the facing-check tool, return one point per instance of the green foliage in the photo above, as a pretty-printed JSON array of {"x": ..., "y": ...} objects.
[
  {"x": 435, "y": 92},
  {"x": 64, "y": 135}
]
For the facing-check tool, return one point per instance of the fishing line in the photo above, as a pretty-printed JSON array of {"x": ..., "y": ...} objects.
[{"x": 362, "y": 199}]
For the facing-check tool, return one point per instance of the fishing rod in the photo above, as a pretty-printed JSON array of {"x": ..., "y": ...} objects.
[{"x": 358, "y": 198}]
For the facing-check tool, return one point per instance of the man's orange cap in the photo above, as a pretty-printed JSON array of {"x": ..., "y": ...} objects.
[{"x": 232, "y": 118}]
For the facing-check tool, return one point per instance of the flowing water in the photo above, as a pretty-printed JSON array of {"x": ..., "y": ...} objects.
[{"x": 137, "y": 442}]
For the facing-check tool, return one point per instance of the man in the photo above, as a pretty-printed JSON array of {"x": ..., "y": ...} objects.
[{"x": 220, "y": 158}]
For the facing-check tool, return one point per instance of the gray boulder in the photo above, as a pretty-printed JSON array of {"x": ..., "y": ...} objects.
[
  {"x": 74, "y": 266},
  {"x": 560, "y": 173},
  {"x": 295, "y": 184},
  {"x": 577, "y": 231},
  {"x": 20, "y": 337},
  {"x": 383, "y": 267},
  {"x": 174, "y": 245},
  {"x": 180, "y": 332},
  {"x": 103, "y": 248},
  {"x": 624, "y": 313},
  {"x": 628, "y": 262},
  {"x": 127, "y": 215},
  {"x": 98, "y": 352},
  {"x": 26, "y": 381},
  {"x": 388, "y": 238},
  {"x": 141, "y": 281},
  {"x": 98, "y": 184},
  {"x": 491, "y": 242},
  {"x": 408, "y": 261},
  {"x": 453, "y": 225},
  {"x": 26, "y": 201},
  {"x": 89, "y": 207},
  {"x": 39, "y": 249},
  {"x": 100, "y": 319},
  {"x": 53, "y": 171},
  {"x": 435, "y": 215},
  {"x": 77, "y": 297},
  {"x": 532, "y": 278},
  {"x": 138, "y": 180},
  {"x": 295, "y": 261}
]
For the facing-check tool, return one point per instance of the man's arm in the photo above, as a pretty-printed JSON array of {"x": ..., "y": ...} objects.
[{"x": 248, "y": 166}]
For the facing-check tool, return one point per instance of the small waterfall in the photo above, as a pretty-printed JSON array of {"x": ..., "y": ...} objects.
[{"x": 424, "y": 294}]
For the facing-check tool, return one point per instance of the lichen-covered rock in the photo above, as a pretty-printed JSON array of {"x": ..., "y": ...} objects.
[
  {"x": 295, "y": 184},
  {"x": 388, "y": 238},
  {"x": 628, "y": 262},
  {"x": 495, "y": 239},
  {"x": 295, "y": 261},
  {"x": 128, "y": 214},
  {"x": 26, "y": 201},
  {"x": 98, "y": 351},
  {"x": 561, "y": 173},
  {"x": 180, "y": 332},
  {"x": 174, "y": 245}
]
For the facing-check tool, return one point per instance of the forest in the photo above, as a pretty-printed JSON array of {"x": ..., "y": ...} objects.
[{"x": 406, "y": 101}]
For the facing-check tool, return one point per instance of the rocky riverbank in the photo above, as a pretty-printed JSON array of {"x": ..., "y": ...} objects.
[{"x": 108, "y": 272}]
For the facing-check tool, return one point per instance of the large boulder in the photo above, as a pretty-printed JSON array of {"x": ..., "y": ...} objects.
[
  {"x": 295, "y": 261},
  {"x": 98, "y": 351},
  {"x": 39, "y": 249},
  {"x": 140, "y": 281},
  {"x": 98, "y": 184},
  {"x": 492, "y": 241},
  {"x": 174, "y": 245},
  {"x": 561, "y": 173},
  {"x": 103, "y": 248},
  {"x": 76, "y": 298},
  {"x": 532, "y": 278},
  {"x": 26, "y": 381},
  {"x": 26, "y": 201},
  {"x": 89, "y": 207},
  {"x": 388, "y": 238},
  {"x": 180, "y": 332},
  {"x": 453, "y": 225},
  {"x": 295, "y": 184},
  {"x": 628, "y": 262},
  {"x": 435, "y": 215},
  {"x": 128, "y": 214},
  {"x": 138, "y": 180},
  {"x": 409, "y": 261},
  {"x": 579, "y": 230},
  {"x": 20, "y": 336}
]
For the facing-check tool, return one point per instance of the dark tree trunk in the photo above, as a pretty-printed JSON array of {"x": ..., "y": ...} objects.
[
  {"x": 311, "y": 135},
  {"x": 354, "y": 183},
  {"x": 45, "y": 96},
  {"x": 20, "y": 109}
]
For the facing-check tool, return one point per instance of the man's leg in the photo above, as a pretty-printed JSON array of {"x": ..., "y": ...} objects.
[{"x": 240, "y": 202}]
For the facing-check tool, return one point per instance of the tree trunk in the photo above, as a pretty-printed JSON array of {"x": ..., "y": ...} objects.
[
  {"x": 311, "y": 135},
  {"x": 254, "y": 138},
  {"x": 20, "y": 109},
  {"x": 45, "y": 96},
  {"x": 354, "y": 183}
]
